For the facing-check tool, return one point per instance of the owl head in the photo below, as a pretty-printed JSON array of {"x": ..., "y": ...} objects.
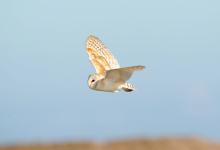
[{"x": 92, "y": 80}]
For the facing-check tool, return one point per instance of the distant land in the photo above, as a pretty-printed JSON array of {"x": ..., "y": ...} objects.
[{"x": 129, "y": 144}]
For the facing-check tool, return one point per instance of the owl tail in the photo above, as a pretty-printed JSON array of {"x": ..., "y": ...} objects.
[{"x": 127, "y": 87}]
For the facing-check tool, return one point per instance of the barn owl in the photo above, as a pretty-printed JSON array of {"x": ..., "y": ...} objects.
[{"x": 109, "y": 76}]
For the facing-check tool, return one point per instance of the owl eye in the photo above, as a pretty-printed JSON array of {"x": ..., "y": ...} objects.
[{"x": 93, "y": 81}]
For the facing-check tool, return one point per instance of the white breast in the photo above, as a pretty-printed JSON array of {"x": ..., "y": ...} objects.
[{"x": 107, "y": 85}]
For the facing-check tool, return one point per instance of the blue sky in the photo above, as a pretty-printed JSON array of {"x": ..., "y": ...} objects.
[{"x": 44, "y": 69}]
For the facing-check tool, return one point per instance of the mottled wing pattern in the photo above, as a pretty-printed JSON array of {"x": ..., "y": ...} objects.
[{"x": 100, "y": 56}]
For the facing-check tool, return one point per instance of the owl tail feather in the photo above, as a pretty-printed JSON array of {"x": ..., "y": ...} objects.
[{"x": 127, "y": 87}]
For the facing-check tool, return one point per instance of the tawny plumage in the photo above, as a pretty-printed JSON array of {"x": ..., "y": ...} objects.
[{"x": 109, "y": 77}]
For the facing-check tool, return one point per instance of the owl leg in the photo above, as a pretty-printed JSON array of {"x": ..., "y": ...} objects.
[{"x": 127, "y": 87}]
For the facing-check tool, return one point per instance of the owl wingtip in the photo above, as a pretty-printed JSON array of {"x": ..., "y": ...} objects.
[
  {"x": 91, "y": 36},
  {"x": 141, "y": 67}
]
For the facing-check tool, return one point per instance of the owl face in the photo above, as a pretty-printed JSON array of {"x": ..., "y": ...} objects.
[{"x": 92, "y": 81}]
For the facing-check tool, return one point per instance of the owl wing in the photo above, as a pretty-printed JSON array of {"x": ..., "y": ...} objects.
[
  {"x": 121, "y": 75},
  {"x": 100, "y": 56}
]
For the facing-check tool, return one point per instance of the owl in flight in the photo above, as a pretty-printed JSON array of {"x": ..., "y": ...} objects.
[{"x": 109, "y": 77}]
